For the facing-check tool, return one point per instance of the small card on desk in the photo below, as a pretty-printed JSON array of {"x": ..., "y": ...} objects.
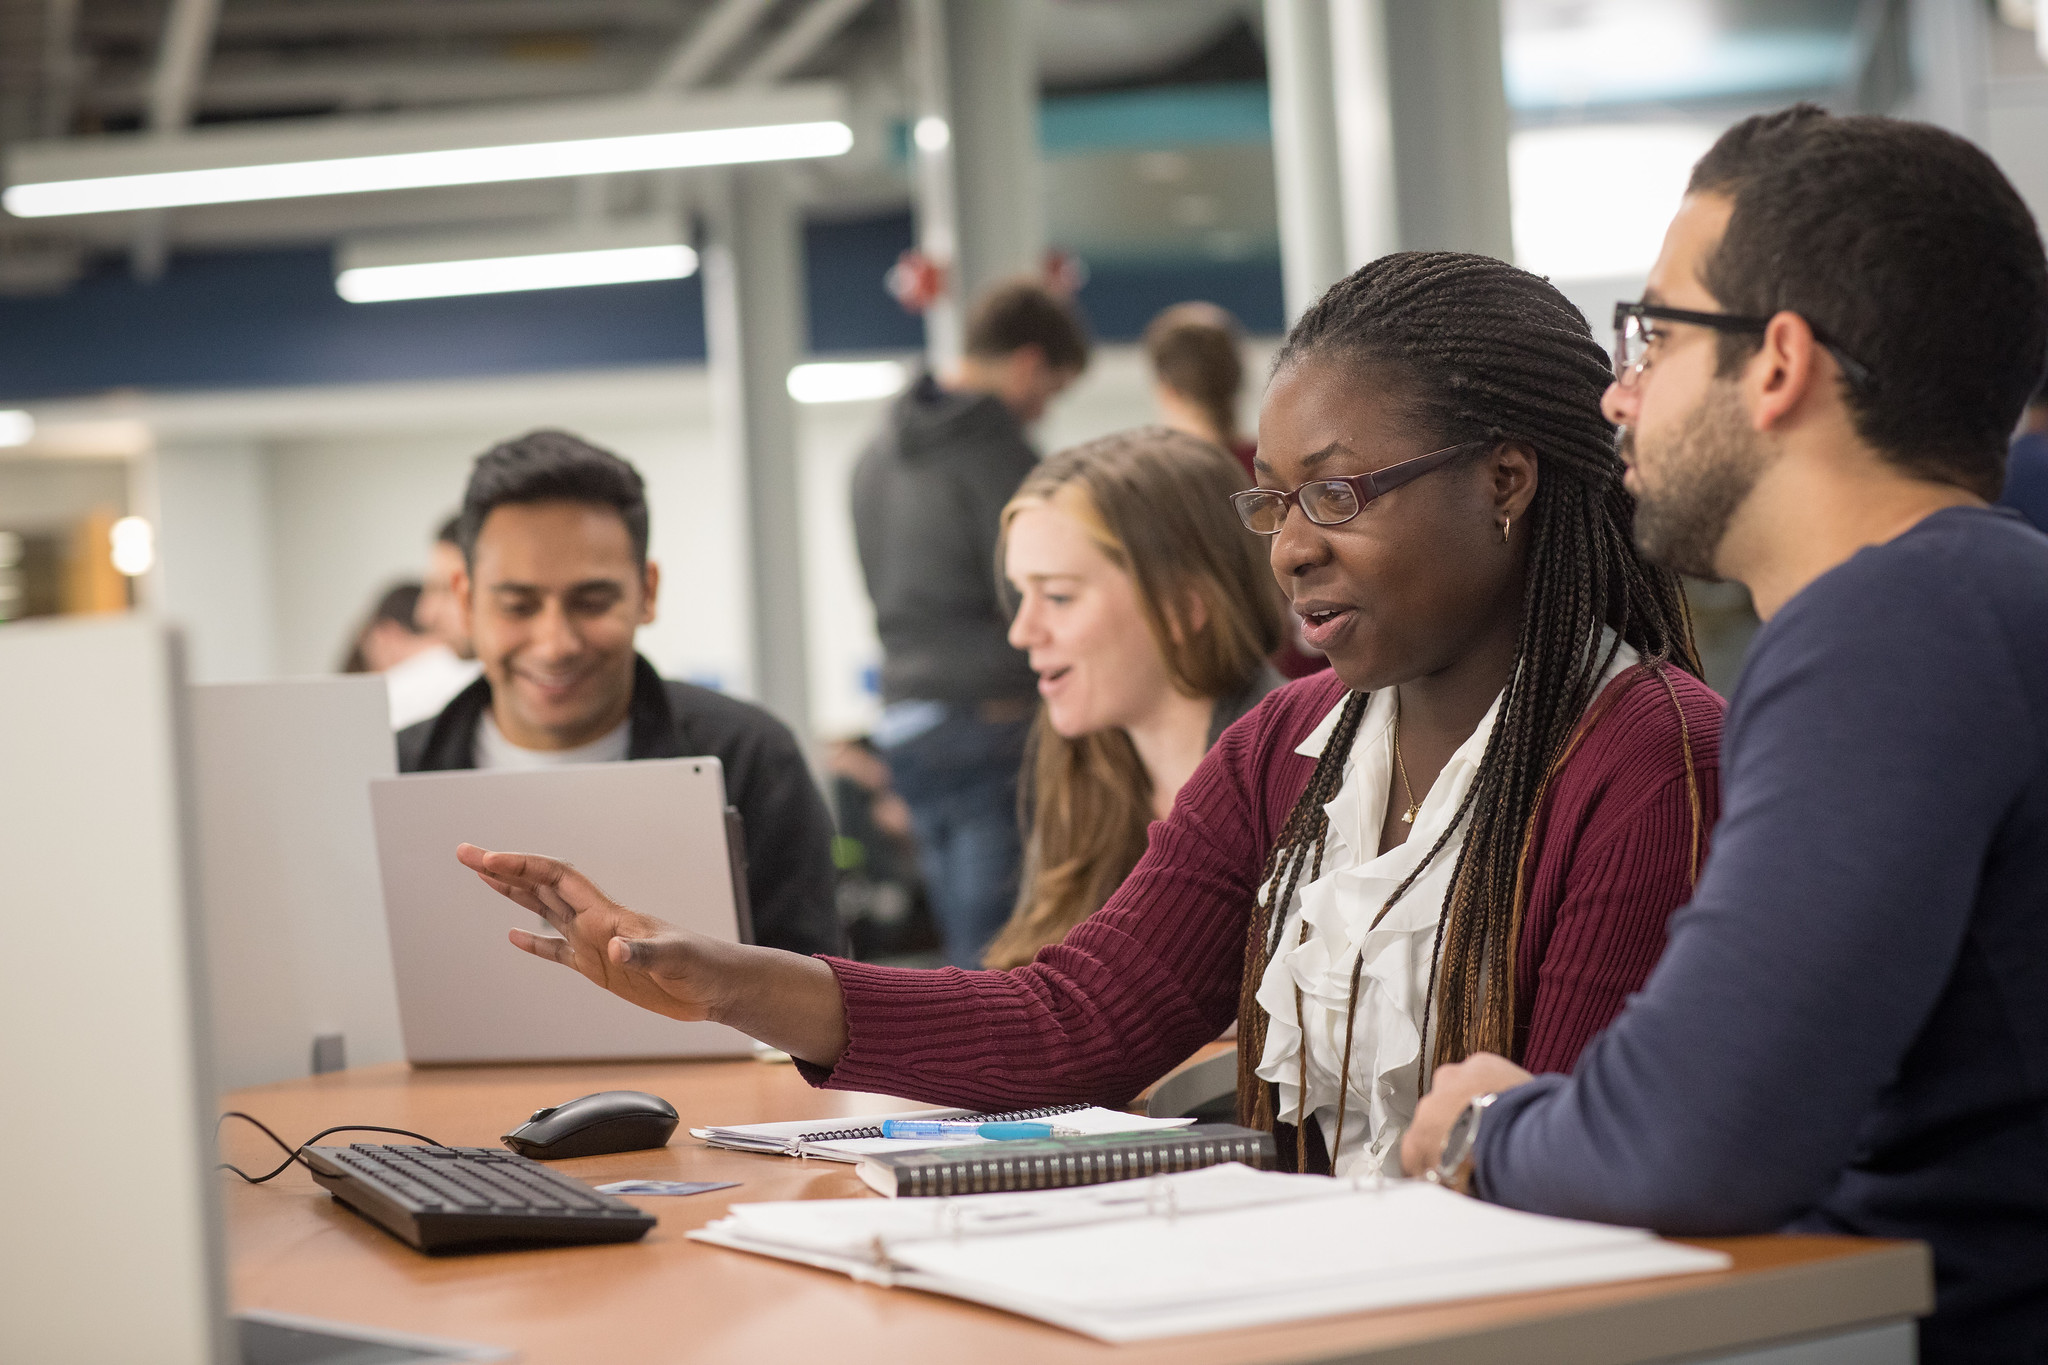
[{"x": 664, "y": 1186}]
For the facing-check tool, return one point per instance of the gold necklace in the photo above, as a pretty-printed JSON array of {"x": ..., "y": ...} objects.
[{"x": 1402, "y": 768}]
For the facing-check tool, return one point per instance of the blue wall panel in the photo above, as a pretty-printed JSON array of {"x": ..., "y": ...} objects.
[
  {"x": 845, "y": 263},
  {"x": 254, "y": 318},
  {"x": 261, "y": 318},
  {"x": 1122, "y": 296}
]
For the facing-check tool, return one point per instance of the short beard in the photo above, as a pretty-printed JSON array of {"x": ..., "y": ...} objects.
[{"x": 1688, "y": 490}]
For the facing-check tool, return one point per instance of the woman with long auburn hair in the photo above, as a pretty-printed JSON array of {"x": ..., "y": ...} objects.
[
  {"x": 1147, "y": 612},
  {"x": 1466, "y": 836}
]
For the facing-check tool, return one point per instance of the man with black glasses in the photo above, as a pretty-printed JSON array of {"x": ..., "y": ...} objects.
[{"x": 1849, "y": 1029}]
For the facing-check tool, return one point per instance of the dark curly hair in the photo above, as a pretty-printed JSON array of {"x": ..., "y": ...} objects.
[
  {"x": 1915, "y": 254},
  {"x": 549, "y": 466}
]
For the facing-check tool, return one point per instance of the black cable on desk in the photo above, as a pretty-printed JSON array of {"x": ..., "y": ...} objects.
[{"x": 291, "y": 1152}]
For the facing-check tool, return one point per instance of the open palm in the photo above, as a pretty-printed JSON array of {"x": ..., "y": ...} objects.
[{"x": 637, "y": 957}]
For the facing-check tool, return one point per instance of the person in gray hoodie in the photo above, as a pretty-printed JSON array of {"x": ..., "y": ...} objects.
[{"x": 928, "y": 495}]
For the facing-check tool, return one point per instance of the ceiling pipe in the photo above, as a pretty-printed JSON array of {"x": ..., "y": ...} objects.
[
  {"x": 173, "y": 99},
  {"x": 798, "y": 42},
  {"x": 60, "y": 66},
  {"x": 180, "y": 63},
  {"x": 710, "y": 42}
]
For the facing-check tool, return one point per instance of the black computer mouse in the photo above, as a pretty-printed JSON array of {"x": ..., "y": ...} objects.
[{"x": 609, "y": 1121}]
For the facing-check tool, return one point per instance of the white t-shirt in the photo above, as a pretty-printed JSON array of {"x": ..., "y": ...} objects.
[
  {"x": 1386, "y": 1056},
  {"x": 493, "y": 750},
  {"x": 421, "y": 686}
]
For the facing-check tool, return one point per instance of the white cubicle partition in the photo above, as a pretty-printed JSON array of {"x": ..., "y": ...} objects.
[
  {"x": 112, "y": 1244},
  {"x": 288, "y": 872}
]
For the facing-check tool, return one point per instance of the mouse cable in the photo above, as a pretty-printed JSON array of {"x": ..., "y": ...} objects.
[{"x": 291, "y": 1152}]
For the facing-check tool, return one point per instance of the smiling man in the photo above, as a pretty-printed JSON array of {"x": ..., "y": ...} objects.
[
  {"x": 554, "y": 583},
  {"x": 1848, "y": 1032}
]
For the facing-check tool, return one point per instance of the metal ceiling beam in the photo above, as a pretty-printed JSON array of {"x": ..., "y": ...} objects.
[
  {"x": 243, "y": 23},
  {"x": 242, "y": 86},
  {"x": 714, "y": 37},
  {"x": 60, "y": 65},
  {"x": 173, "y": 96},
  {"x": 181, "y": 62},
  {"x": 799, "y": 41}
]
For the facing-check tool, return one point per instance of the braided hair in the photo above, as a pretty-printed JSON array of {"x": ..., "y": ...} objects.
[{"x": 1481, "y": 351}]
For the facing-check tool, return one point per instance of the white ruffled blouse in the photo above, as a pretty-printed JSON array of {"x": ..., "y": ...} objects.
[{"x": 1337, "y": 907}]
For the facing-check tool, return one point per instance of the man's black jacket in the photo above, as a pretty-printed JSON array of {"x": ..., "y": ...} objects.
[{"x": 789, "y": 835}]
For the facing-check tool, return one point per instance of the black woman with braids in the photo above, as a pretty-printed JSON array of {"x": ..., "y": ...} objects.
[{"x": 1467, "y": 836}]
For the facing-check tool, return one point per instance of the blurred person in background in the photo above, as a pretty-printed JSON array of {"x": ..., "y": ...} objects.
[
  {"x": 881, "y": 895},
  {"x": 928, "y": 496},
  {"x": 389, "y": 637},
  {"x": 429, "y": 678},
  {"x": 2026, "y": 464},
  {"x": 1147, "y": 612},
  {"x": 1197, "y": 356},
  {"x": 554, "y": 584},
  {"x": 440, "y": 612}
]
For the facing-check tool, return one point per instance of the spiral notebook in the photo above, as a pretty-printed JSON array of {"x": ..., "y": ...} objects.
[
  {"x": 838, "y": 1140},
  {"x": 1057, "y": 1163},
  {"x": 1208, "y": 1250}
]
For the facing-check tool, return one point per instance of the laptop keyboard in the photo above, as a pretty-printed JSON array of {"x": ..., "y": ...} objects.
[{"x": 449, "y": 1199}]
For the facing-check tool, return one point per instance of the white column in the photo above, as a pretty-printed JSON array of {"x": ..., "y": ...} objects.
[
  {"x": 973, "y": 75},
  {"x": 1362, "y": 100},
  {"x": 1950, "y": 60},
  {"x": 215, "y": 573},
  {"x": 754, "y": 328},
  {"x": 1450, "y": 126},
  {"x": 931, "y": 150},
  {"x": 1307, "y": 167},
  {"x": 1390, "y": 132},
  {"x": 993, "y": 61}
]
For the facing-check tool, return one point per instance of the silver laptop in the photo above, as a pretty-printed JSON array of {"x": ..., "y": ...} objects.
[
  {"x": 288, "y": 875},
  {"x": 652, "y": 833},
  {"x": 107, "y": 1082}
]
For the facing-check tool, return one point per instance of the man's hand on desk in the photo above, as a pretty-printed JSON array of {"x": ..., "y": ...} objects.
[
  {"x": 1455, "y": 1086},
  {"x": 785, "y": 1000}
]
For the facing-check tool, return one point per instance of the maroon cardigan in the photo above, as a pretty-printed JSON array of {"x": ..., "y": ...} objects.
[{"x": 1154, "y": 974}]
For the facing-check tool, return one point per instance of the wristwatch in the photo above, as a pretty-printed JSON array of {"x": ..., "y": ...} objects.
[{"x": 1453, "y": 1168}]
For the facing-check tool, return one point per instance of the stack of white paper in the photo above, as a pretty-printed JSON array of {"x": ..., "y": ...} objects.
[{"x": 1210, "y": 1249}]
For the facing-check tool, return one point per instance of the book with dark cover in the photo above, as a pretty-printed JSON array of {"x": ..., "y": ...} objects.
[{"x": 1054, "y": 1163}]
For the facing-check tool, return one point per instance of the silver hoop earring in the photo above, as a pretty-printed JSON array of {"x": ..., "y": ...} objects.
[{"x": 1504, "y": 523}]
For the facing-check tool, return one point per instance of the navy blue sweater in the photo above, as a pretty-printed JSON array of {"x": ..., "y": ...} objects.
[{"x": 1849, "y": 1029}]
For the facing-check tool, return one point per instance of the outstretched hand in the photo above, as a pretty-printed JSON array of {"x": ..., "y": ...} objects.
[{"x": 637, "y": 957}]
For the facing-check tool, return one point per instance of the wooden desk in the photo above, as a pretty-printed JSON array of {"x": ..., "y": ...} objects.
[{"x": 666, "y": 1299}]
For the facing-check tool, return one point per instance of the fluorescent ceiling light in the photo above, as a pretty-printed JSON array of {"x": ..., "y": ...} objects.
[
  {"x": 422, "y": 170},
  {"x": 554, "y": 256},
  {"x": 508, "y": 274},
  {"x": 16, "y": 428},
  {"x": 122, "y": 172},
  {"x": 847, "y": 381}
]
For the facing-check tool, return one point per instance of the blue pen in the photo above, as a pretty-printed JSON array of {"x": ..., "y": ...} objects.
[{"x": 940, "y": 1128}]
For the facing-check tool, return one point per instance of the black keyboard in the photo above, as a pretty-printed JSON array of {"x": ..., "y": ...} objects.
[{"x": 446, "y": 1199}]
